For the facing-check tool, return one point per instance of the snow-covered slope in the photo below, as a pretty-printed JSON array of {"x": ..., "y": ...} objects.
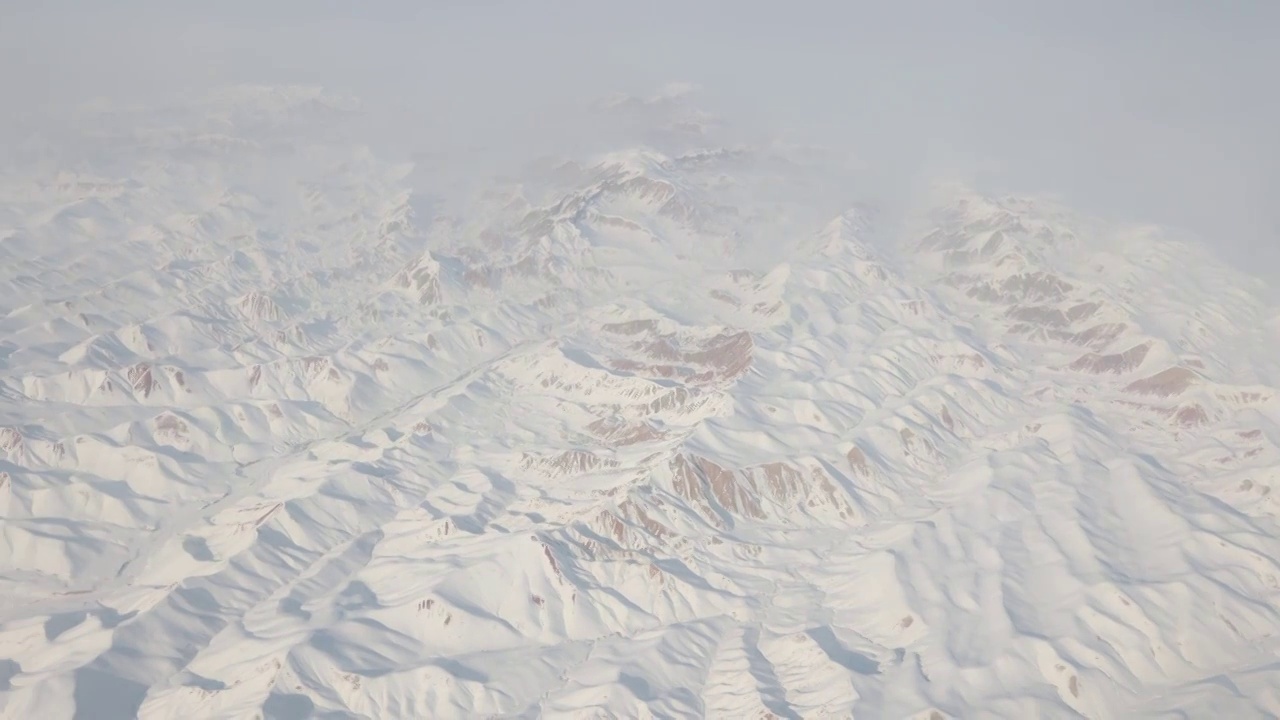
[{"x": 649, "y": 434}]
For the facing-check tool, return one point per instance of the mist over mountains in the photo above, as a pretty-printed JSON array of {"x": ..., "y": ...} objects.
[
  {"x": 652, "y": 432},
  {"x": 483, "y": 360}
]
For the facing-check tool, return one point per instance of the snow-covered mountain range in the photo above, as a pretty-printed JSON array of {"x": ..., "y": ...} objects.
[{"x": 650, "y": 433}]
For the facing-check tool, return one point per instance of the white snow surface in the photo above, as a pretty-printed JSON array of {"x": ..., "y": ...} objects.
[{"x": 647, "y": 434}]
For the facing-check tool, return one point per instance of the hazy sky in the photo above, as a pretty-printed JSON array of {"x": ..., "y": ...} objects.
[{"x": 1141, "y": 110}]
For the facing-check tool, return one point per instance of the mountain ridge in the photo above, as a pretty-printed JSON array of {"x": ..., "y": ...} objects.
[{"x": 645, "y": 435}]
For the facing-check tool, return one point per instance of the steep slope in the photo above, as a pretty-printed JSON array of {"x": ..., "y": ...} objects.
[{"x": 651, "y": 434}]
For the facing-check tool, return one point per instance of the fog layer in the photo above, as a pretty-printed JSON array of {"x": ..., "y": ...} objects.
[{"x": 1144, "y": 111}]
